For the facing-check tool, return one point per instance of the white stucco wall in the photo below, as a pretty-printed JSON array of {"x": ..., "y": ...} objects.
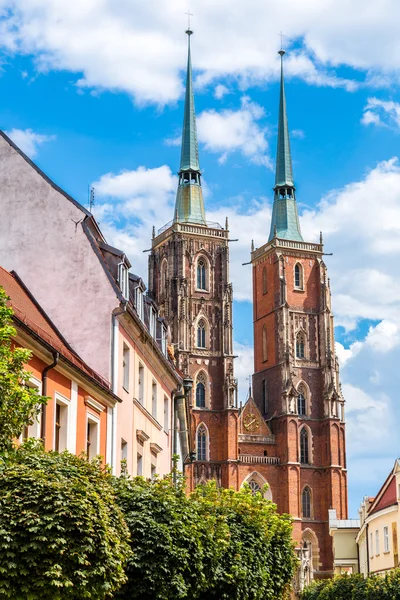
[{"x": 53, "y": 256}]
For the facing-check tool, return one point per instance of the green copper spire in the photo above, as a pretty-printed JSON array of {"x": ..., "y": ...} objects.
[
  {"x": 189, "y": 205},
  {"x": 285, "y": 220}
]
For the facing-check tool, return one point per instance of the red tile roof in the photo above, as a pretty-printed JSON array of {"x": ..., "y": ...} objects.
[{"x": 27, "y": 310}]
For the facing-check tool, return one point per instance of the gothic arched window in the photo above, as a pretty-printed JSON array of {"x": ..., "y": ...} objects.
[
  {"x": 201, "y": 334},
  {"x": 264, "y": 280},
  {"x": 304, "y": 447},
  {"x": 201, "y": 274},
  {"x": 301, "y": 402},
  {"x": 306, "y": 503},
  {"x": 300, "y": 345},
  {"x": 264, "y": 344},
  {"x": 298, "y": 276},
  {"x": 202, "y": 441},
  {"x": 200, "y": 395},
  {"x": 164, "y": 271},
  {"x": 254, "y": 486}
]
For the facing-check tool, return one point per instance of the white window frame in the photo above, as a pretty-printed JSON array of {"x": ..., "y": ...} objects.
[
  {"x": 154, "y": 398},
  {"x": 152, "y": 322},
  {"x": 123, "y": 279},
  {"x": 126, "y": 358},
  {"x": 65, "y": 403},
  {"x": 139, "y": 462},
  {"x": 377, "y": 550},
  {"x": 371, "y": 544},
  {"x": 166, "y": 414},
  {"x": 124, "y": 449},
  {"x": 386, "y": 543},
  {"x": 139, "y": 302},
  {"x": 141, "y": 384},
  {"x": 34, "y": 430},
  {"x": 93, "y": 420}
]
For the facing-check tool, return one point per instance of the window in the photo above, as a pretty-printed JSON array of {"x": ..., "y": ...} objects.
[
  {"x": 166, "y": 414},
  {"x": 377, "y": 542},
  {"x": 92, "y": 437},
  {"x": 139, "y": 464},
  {"x": 202, "y": 443},
  {"x": 300, "y": 345},
  {"x": 264, "y": 344},
  {"x": 141, "y": 384},
  {"x": 306, "y": 503},
  {"x": 298, "y": 276},
  {"x": 200, "y": 395},
  {"x": 164, "y": 339},
  {"x": 264, "y": 396},
  {"x": 33, "y": 431},
  {"x": 201, "y": 274},
  {"x": 304, "y": 453},
  {"x": 139, "y": 302},
  {"x": 301, "y": 402},
  {"x": 164, "y": 272},
  {"x": 61, "y": 426},
  {"x": 153, "y": 471},
  {"x": 201, "y": 334},
  {"x": 254, "y": 486},
  {"x": 125, "y": 367},
  {"x": 154, "y": 399},
  {"x": 152, "y": 322},
  {"x": 371, "y": 546},
  {"x": 386, "y": 539},
  {"x": 264, "y": 280},
  {"x": 124, "y": 450},
  {"x": 123, "y": 280}
]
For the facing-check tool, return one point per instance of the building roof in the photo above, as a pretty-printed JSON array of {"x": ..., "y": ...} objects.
[{"x": 29, "y": 314}]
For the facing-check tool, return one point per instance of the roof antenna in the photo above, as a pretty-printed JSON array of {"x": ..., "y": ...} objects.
[{"x": 91, "y": 197}]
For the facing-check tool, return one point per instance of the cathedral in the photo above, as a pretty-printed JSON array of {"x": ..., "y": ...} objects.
[{"x": 290, "y": 434}]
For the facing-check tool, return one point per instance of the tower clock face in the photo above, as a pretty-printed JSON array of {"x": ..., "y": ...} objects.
[{"x": 251, "y": 422}]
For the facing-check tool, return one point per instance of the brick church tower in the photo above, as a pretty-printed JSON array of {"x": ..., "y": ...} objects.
[
  {"x": 296, "y": 387},
  {"x": 189, "y": 279}
]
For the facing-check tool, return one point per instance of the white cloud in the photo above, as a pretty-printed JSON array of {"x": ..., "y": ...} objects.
[
  {"x": 381, "y": 113},
  {"x": 384, "y": 337},
  {"x": 244, "y": 367},
  {"x": 346, "y": 354},
  {"x": 28, "y": 141},
  {"x": 135, "y": 46},
  {"x": 229, "y": 130},
  {"x": 298, "y": 133},
  {"x": 220, "y": 91}
]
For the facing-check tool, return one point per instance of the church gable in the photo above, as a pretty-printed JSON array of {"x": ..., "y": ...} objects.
[{"x": 252, "y": 424}]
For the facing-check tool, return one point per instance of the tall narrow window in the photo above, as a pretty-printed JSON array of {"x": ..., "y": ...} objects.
[
  {"x": 304, "y": 454},
  {"x": 125, "y": 367},
  {"x": 298, "y": 276},
  {"x": 141, "y": 384},
  {"x": 201, "y": 334},
  {"x": 61, "y": 427},
  {"x": 166, "y": 414},
  {"x": 377, "y": 550},
  {"x": 200, "y": 395},
  {"x": 264, "y": 280},
  {"x": 57, "y": 428},
  {"x": 264, "y": 344},
  {"x": 201, "y": 274},
  {"x": 301, "y": 402},
  {"x": 124, "y": 449},
  {"x": 92, "y": 437},
  {"x": 306, "y": 503},
  {"x": 123, "y": 279},
  {"x": 154, "y": 399},
  {"x": 265, "y": 396},
  {"x": 139, "y": 464},
  {"x": 164, "y": 272},
  {"x": 202, "y": 443},
  {"x": 300, "y": 345},
  {"x": 386, "y": 539}
]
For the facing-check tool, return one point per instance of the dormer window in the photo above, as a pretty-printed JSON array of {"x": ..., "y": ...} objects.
[
  {"x": 123, "y": 279},
  {"x": 152, "y": 322},
  {"x": 139, "y": 302}
]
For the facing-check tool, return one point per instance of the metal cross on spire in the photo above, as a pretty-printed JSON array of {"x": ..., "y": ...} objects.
[
  {"x": 281, "y": 35},
  {"x": 189, "y": 14}
]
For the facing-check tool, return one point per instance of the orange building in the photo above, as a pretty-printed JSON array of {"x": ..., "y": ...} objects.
[{"x": 75, "y": 417}]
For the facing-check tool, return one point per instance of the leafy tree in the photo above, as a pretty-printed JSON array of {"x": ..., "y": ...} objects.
[
  {"x": 356, "y": 587},
  {"x": 259, "y": 560},
  {"x": 62, "y": 536},
  {"x": 214, "y": 544},
  {"x": 19, "y": 404}
]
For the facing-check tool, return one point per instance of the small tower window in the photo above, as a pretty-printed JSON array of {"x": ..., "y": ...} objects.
[
  {"x": 201, "y": 443},
  {"x": 298, "y": 276},
  {"x": 264, "y": 344},
  {"x": 306, "y": 503},
  {"x": 201, "y": 274},
  {"x": 201, "y": 334},
  {"x": 300, "y": 345},
  {"x": 264, "y": 280},
  {"x": 200, "y": 395},
  {"x": 264, "y": 396},
  {"x": 301, "y": 402},
  {"x": 304, "y": 451}
]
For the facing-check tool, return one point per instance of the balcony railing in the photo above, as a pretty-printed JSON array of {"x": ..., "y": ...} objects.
[{"x": 259, "y": 460}]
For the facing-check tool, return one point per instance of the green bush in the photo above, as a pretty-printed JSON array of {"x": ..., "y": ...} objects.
[
  {"x": 356, "y": 587},
  {"x": 62, "y": 537}
]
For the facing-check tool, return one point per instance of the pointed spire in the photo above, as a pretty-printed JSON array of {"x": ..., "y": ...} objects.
[
  {"x": 189, "y": 205},
  {"x": 284, "y": 171},
  {"x": 285, "y": 220}
]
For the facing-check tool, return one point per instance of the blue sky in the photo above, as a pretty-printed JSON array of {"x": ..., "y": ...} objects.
[{"x": 93, "y": 92}]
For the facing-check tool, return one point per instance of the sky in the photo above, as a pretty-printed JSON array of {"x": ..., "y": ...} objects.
[{"x": 92, "y": 91}]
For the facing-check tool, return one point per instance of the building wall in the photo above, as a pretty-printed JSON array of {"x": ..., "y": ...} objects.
[
  {"x": 42, "y": 239},
  {"x": 381, "y": 560}
]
